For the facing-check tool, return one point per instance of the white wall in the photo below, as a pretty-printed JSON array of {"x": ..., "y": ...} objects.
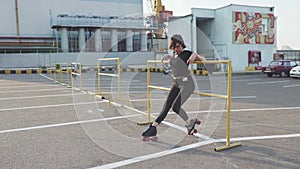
[
  {"x": 181, "y": 26},
  {"x": 35, "y": 60},
  {"x": 239, "y": 52}
]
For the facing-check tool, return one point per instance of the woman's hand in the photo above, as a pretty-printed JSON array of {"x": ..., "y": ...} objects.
[
  {"x": 166, "y": 57},
  {"x": 195, "y": 57}
]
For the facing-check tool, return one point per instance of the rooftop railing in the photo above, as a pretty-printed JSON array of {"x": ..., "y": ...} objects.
[{"x": 65, "y": 20}]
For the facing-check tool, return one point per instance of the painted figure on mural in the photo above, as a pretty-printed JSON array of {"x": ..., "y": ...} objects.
[{"x": 251, "y": 28}]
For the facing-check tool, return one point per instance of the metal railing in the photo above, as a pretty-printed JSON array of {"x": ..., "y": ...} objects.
[
  {"x": 99, "y": 74},
  {"x": 227, "y": 97},
  {"x": 63, "y": 70},
  {"x": 76, "y": 70},
  {"x": 98, "y": 21}
]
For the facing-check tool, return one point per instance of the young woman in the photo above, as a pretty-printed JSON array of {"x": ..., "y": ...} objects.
[{"x": 182, "y": 88}]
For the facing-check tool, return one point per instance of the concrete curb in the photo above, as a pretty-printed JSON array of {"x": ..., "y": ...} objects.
[
  {"x": 49, "y": 71},
  {"x": 26, "y": 71}
]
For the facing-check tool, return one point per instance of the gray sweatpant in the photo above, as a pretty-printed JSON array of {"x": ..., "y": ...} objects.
[{"x": 179, "y": 93}]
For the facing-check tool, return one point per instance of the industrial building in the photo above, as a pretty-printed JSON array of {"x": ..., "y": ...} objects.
[
  {"x": 288, "y": 54},
  {"x": 65, "y": 25},
  {"x": 244, "y": 34}
]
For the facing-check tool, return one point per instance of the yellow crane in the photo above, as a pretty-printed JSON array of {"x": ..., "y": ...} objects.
[{"x": 156, "y": 9}]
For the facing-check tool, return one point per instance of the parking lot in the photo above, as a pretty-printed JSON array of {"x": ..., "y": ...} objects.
[{"x": 45, "y": 124}]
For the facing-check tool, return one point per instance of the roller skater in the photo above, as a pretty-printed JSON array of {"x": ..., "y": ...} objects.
[{"x": 182, "y": 88}]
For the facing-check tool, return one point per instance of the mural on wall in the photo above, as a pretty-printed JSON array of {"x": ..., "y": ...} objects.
[{"x": 252, "y": 28}]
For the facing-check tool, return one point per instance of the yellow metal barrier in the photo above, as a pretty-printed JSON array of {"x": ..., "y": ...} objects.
[
  {"x": 62, "y": 68},
  {"x": 57, "y": 69},
  {"x": 108, "y": 74},
  {"x": 227, "y": 97},
  {"x": 76, "y": 70}
]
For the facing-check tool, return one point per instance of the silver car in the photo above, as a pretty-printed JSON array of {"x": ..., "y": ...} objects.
[{"x": 295, "y": 72}]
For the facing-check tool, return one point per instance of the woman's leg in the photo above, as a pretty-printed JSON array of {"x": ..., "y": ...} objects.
[
  {"x": 185, "y": 92},
  {"x": 173, "y": 94}
]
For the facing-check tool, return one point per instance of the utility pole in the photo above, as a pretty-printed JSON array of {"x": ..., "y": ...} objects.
[{"x": 17, "y": 20}]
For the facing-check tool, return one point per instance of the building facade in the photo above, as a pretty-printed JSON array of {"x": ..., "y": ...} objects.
[
  {"x": 288, "y": 55},
  {"x": 72, "y": 25},
  {"x": 244, "y": 34}
]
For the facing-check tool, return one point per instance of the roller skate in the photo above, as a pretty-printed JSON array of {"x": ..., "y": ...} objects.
[
  {"x": 191, "y": 126},
  {"x": 150, "y": 134}
]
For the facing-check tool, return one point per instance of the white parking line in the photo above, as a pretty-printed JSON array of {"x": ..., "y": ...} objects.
[
  {"x": 33, "y": 97},
  {"x": 187, "y": 147},
  {"x": 265, "y": 109},
  {"x": 66, "y": 124},
  {"x": 152, "y": 156},
  {"x": 37, "y": 90},
  {"x": 30, "y": 85},
  {"x": 70, "y": 104},
  {"x": 48, "y": 106},
  {"x": 242, "y": 80},
  {"x": 243, "y": 97},
  {"x": 194, "y": 98},
  {"x": 49, "y": 78},
  {"x": 260, "y": 137},
  {"x": 162, "y": 153},
  {"x": 253, "y": 83},
  {"x": 287, "y": 86},
  {"x": 238, "y": 110},
  {"x": 3, "y": 84}
]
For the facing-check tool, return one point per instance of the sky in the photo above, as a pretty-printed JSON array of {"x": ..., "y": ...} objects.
[{"x": 286, "y": 11}]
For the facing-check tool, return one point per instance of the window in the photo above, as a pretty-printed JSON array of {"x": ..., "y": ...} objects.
[
  {"x": 275, "y": 63},
  {"x": 293, "y": 64},
  {"x": 286, "y": 64},
  {"x": 265, "y": 27}
]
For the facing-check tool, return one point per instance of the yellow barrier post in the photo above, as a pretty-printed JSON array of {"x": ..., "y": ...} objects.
[
  {"x": 56, "y": 70},
  {"x": 52, "y": 71},
  {"x": 148, "y": 95},
  {"x": 228, "y": 144},
  {"x": 228, "y": 97},
  {"x": 108, "y": 74},
  {"x": 69, "y": 75},
  {"x": 77, "y": 72},
  {"x": 59, "y": 68},
  {"x": 61, "y": 73}
]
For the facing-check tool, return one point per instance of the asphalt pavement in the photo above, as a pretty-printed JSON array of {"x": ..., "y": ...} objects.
[{"x": 50, "y": 124}]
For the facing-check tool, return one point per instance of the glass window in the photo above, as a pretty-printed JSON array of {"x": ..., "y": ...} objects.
[
  {"x": 275, "y": 63},
  {"x": 293, "y": 64},
  {"x": 286, "y": 64},
  {"x": 265, "y": 27}
]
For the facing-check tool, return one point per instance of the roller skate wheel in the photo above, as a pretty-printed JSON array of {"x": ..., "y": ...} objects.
[
  {"x": 154, "y": 138},
  {"x": 198, "y": 122},
  {"x": 195, "y": 131},
  {"x": 145, "y": 139}
]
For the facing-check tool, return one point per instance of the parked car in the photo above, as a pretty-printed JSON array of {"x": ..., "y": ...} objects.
[
  {"x": 295, "y": 72},
  {"x": 279, "y": 67}
]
